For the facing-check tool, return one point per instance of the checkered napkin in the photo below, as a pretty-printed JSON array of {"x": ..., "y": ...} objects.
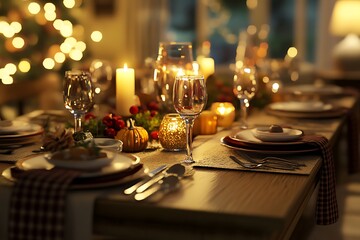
[
  {"x": 353, "y": 139},
  {"x": 37, "y": 207},
  {"x": 326, "y": 205}
]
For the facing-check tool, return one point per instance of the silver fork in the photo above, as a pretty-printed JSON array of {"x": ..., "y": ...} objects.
[
  {"x": 271, "y": 159},
  {"x": 261, "y": 165}
]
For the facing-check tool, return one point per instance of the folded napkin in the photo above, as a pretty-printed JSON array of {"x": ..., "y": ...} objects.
[
  {"x": 37, "y": 206},
  {"x": 326, "y": 204},
  {"x": 353, "y": 139}
]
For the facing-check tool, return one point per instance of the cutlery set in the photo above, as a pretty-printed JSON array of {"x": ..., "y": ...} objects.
[
  {"x": 165, "y": 179},
  {"x": 162, "y": 179},
  {"x": 266, "y": 163}
]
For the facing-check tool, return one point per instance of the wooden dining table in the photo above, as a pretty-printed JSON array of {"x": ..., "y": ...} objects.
[
  {"x": 227, "y": 204},
  {"x": 218, "y": 203}
]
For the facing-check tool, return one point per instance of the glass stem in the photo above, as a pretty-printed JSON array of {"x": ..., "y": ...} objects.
[
  {"x": 243, "y": 113},
  {"x": 77, "y": 123},
  {"x": 189, "y": 122}
]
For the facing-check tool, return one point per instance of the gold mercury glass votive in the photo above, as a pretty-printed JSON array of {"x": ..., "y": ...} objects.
[{"x": 172, "y": 132}]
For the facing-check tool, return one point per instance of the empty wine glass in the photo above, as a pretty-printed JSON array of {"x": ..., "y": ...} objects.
[
  {"x": 102, "y": 74},
  {"x": 78, "y": 94},
  {"x": 244, "y": 87},
  {"x": 189, "y": 98},
  {"x": 172, "y": 58}
]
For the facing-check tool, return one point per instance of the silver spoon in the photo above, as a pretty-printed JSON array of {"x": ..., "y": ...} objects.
[
  {"x": 167, "y": 184},
  {"x": 151, "y": 174},
  {"x": 176, "y": 169}
]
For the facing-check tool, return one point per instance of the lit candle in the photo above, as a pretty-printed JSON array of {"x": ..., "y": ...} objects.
[
  {"x": 196, "y": 68},
  {"x": 275, "y": 88},
  {"x": 205, "y": 123},
  {"x": 207, "y": 66},
  {"x": 125, "y": 90},
  {"x": 225, "y": 112}
]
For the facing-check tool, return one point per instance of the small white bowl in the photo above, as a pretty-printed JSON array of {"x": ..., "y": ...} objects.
[
  {"x": 288, "y": 134},
  {"x": 81, "y": 163},
  {"x": 108, "y": 143}
]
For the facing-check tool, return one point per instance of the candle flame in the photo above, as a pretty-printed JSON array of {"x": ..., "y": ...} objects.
[
  {"x": 125, "y": 66},
  {"x": 196, "y": 68},
  {"x": 180, "y": 72}
]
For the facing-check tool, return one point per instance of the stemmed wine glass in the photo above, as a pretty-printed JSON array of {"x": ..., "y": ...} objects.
[
  {"x": 189, "y": 98},
  {"x": 244, "y": 87},
  {"x": 172, "y": 58},
  {"x": 101, "y": 73},
  {"x": 78, "y": 94}
]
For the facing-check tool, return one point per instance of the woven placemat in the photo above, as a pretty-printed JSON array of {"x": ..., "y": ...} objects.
[{"x": 214, "y": 155}]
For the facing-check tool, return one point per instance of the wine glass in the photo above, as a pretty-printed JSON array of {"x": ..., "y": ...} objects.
[
  {"x": 78, "y": 94},
  {"x": 189, "y": 98},
  {"x": 102, "y": 74},
  {"x": 244, "y": 87},
  {"x": 172, "y": 58}
]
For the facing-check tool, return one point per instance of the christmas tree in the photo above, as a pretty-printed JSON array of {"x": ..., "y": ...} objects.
[{"x": 37, "y": 37}]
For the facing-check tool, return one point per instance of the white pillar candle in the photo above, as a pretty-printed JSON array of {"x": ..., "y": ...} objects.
[
  {"x": 125, "y": 90},
  {"x": 207, "y": 66}
]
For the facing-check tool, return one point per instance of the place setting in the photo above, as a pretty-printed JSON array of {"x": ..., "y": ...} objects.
[
  {"x": 18, "y": 132},
  {"x": 262, "y": 149},
  {"x": 305, "y": 109}
]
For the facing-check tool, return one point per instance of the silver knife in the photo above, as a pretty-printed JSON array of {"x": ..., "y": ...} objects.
[{"x": 151, "y": 174}]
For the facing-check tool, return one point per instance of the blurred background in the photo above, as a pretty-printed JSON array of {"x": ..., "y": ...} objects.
[{"x": 41, "y": 39}]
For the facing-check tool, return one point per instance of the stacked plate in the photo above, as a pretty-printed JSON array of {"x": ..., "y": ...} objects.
[
  {"x": 19, "y": 133},
  {"x": 259, "y": 141},
  {"x": 305, "y": 109},
  {"x": 119, "y": 168}
]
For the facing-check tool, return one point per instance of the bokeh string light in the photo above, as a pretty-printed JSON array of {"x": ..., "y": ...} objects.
[{"x": 37, "y": 37}]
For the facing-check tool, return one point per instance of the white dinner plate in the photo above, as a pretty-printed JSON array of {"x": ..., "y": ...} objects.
[
  {"x": 294, "y": 106},
  {"x": 92, "y": 185},
  {"x": 120, "y": 163},
  {"x": 19, "y": 129},
  {"x": 288, "y": 134}
]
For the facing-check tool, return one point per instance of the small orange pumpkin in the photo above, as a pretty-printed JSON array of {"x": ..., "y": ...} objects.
[{"x": 134, "y": 138}]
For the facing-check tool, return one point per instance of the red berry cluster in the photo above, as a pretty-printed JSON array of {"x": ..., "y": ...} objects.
[
  {"x": 113, "y": 123},
  {"x": 89, "y": 116},
  {"x": 148, "y": 117}
]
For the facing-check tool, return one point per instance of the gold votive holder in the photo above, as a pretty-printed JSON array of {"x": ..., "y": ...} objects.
[
  {"x": 172, "y": 132},
  {"x": 205, "y": 123},
  {"x": 225, "y": 113}
]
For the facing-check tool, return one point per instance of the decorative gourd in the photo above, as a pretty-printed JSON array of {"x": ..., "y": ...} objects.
[{"x": 134, "y": 138}]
